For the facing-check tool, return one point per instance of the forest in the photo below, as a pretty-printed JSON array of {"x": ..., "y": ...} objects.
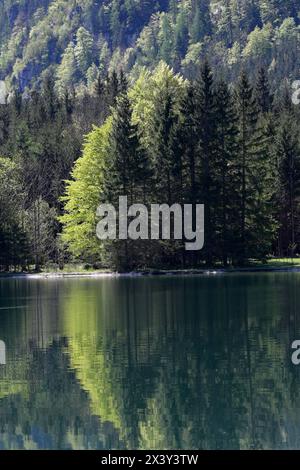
[
  {"x": 77, "y": 39},
  {"x": 182, "y": 102}
]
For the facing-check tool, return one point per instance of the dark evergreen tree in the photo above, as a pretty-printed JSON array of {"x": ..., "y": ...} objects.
[
  {"x": 163, "y": 124},
  {"x": 201, "y": 25},
  {"x": 207, "y": 131},
  {"x": 181, "y": 35},
  {"x": 264, "y": 97},
  {"x": 255, "y": 230},
  {"x": 190, "y": 144},
  {"x": 126, "y": 173},
  {"x": 225, "y": 173},
  {"x": 289, "y": 171}
]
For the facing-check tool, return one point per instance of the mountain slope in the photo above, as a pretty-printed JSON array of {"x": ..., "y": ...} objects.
[{"x": 78, "y": 39}]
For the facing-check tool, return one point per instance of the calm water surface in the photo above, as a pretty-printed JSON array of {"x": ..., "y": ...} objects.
[{"x": 160, "y": 363}]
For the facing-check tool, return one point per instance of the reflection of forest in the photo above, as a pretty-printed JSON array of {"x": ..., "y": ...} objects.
[{"x": 150, "y": 363}]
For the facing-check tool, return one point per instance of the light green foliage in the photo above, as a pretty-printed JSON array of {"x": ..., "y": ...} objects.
[
  {"x": 83, "y": 195},
  {"x": 92, "y": 75},
  {"x": 66, "y": 71},
  {"x": 84, "y": 49},
  {"x": 148, "y": 91},
  {"x": 191, "y": 62},
  {"x": 259, "y": 45}
]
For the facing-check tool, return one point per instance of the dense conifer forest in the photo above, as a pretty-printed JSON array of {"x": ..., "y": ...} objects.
[{"x": 186, "y": 101}]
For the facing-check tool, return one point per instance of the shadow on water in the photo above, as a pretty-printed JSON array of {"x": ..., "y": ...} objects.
[{"x": 165, "y": 363}]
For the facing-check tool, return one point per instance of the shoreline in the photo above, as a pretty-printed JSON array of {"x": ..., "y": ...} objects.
[{"x": 149, "y": 273}]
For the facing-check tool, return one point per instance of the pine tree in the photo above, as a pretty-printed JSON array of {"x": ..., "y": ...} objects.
[
  {"x": 225, "y": 171},
  {"x": 92, "y": 76},
  {"x": 83, "y": 50},
  {"x": 166, "y": 40},
  {"x": 181, "y": 34},
  {"x": 67, "y": 70},
  {"x": 264, "y": 97},
  {"x": 256, "y": 221},
  {"x": 225, "y": 24},
  {"x": 251, "y": 16},
  {"x": 164, "y": 120},
  {"x": 122, "y": 177},
  {"x": 115, "y": 23},
  {"x": 190, "y": 143},
  {"x": 50, "y": 103},
  {"x": 247, "y": 121},
  {"x": 206, "y": 129},
  {"x": 123, "y": 171},
  {"x": 112, "y": 88},
  {"x": 201, "y": 25},
  {"x": 289, "y": 170},
  {"x": 104, "y": 58}
]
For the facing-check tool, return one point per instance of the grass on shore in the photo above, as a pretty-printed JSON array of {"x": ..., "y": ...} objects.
[{"x": 283, "y": 263}]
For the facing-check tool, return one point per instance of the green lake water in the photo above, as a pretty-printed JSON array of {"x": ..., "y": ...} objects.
[{"x": 150, "y": 363}]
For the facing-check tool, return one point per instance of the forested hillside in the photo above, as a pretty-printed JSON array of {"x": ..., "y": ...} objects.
[
  {"x": 77, "y": 39},
  {"x": 163, "y": 140},
  {"x": 186, "y": 101}
]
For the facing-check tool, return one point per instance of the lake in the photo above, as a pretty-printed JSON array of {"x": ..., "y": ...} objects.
[{"x": 198, "y": 362}]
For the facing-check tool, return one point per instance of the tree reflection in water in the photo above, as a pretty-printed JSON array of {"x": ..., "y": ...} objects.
[{"x": 166, "y": 363}]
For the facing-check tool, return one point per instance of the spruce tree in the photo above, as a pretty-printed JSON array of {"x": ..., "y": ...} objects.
[
  {"x": 225, "y": 171},
  {"x": 190, "y": 144},
  {"x": 166, "y": 40},
  {"x": 181, "y": 34},
  {"x": 83, "y": 50},
  {"x": 206, "y": 130},
  {"x": 255, "y": 229},
  {"x": 247, "y": 121},
  {"x": 201, "y": 24},
  {"x": 163, "y": 122},
  {"x": 123, "y": 172},
  {"x": 289, "y": 171},
  {"x": 264, "y": 97}
]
